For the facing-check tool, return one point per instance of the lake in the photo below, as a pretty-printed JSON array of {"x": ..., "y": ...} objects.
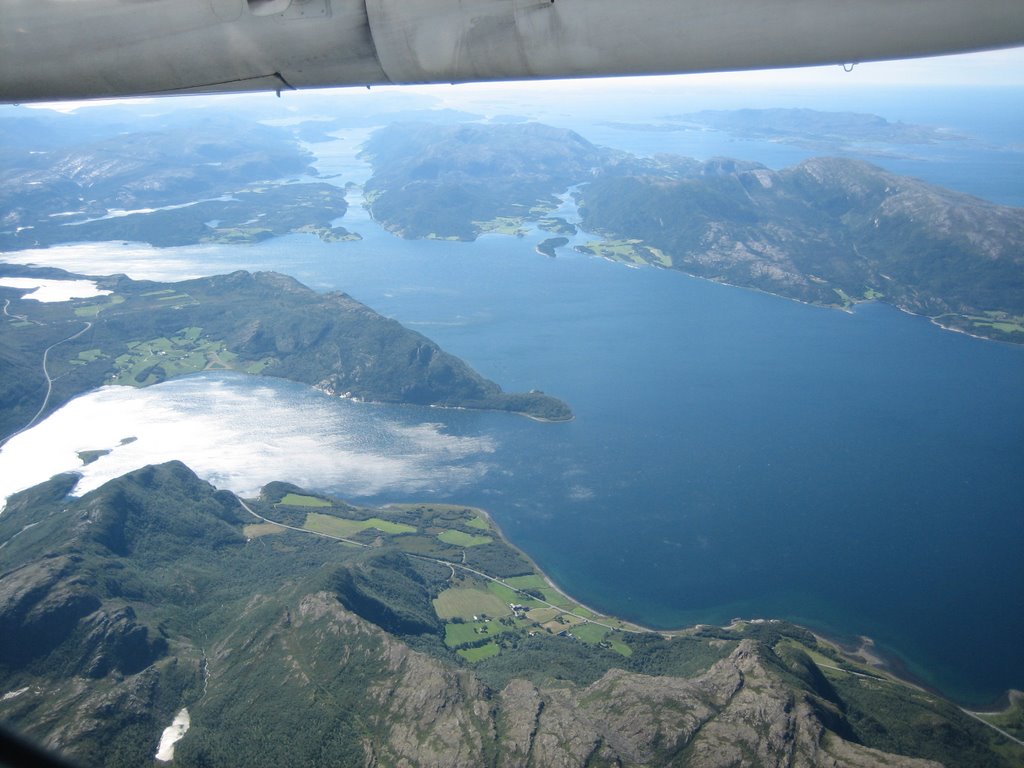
[{"x": 733, "y": 453}]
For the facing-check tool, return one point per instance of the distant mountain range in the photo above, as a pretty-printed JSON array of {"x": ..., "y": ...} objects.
[
  {"x": 829, "y": 231},
  {"x": 210, "y": 179},
  {"x": 810, "y": 128},
  {"x": 454, "y": 182},
  {"x": 155, "y": 593}
]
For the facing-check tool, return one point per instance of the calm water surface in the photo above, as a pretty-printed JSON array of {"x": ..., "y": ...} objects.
[{"x": 733, "y": 454}]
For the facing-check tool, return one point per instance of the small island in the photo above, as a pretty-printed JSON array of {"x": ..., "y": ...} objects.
[{"x": 550, "y": 245}]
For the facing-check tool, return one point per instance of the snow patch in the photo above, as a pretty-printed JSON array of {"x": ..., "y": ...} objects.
[
  {"x": 172, "y": 735},
  {"x": 53, "y": 290}
]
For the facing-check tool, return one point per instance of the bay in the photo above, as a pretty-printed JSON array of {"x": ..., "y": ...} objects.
[{"x": 733, "y": 453}]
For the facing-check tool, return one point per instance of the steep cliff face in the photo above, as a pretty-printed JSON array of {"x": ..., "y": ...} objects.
[{"x": 740, "y": 712}]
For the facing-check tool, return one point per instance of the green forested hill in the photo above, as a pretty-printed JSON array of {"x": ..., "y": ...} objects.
[
  {"x": 830, "y": 231},
  {"x": 357, "y": 636},
  {"x": 455, "y": 182},
  {"x": 165, "y": 180},
  {"x": 265, "y": 323}
]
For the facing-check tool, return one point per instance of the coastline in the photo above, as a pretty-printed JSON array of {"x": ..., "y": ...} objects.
[
  {"x": 847, "y": 308},
  {"x": 551, "y": 582},
  {"x": 440, "y": 406},
  {"x": 888, "y": 665}
]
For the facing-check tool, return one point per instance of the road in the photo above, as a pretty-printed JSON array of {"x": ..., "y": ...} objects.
[
  {"x": 967, "y": 712},
  {"x": 7, "y": 303},
  {"x": 990, "y": 725},
  {"x": 46, "y": 373}
]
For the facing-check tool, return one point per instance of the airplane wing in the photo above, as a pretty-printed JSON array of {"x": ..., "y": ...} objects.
[{"x": 74, "y": 49}]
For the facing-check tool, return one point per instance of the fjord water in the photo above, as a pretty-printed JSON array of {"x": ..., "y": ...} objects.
[
  {"x": 733, "y": 453},
  {"x": 737, "y": 454}
]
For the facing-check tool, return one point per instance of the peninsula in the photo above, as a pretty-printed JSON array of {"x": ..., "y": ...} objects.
[
  {"x": 298, "y": 627},
  {"x": 138, "y": 333}
]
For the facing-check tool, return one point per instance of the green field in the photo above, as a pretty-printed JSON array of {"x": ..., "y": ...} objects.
[
  {"x": 471, "y": 632},
  {"x": 151, "y": 361},
  {"x": 1001, "y": 321},
  {"x": 298, "y": 500},
  {"x": 619, "y": 647},
  {"x": 479, "y": 654},
  {"x": 555, "y": 597},
  {"x": 90, "y": 355},
  {"x": 844, "y": 298},
  {"x": 92, "y": 310},
  {"x": 259, "y": 366},
  {"x": 479, "y": 523},
  {"x": 630, "y": 252},
  {"x": 507, "y": 595},
  {"x": 589, "y": 633},
  {"x": 346, "y": 529},
  {"x": 460, "y": 539},
  {"x": 557, "y": 226},
  {"x": 503, "y": 225},
  {"x": 543, "y": 615},
  {"x": 466, "y": 603},
  {"x": 531, "y": 581}
]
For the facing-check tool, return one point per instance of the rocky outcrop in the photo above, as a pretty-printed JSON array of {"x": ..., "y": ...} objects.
[
  {"x": 41, "y": 604},
  {"x": 743, "y": 711}
]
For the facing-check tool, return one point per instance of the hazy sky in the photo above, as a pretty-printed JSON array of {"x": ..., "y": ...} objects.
[{"x": 991, "y": 68}]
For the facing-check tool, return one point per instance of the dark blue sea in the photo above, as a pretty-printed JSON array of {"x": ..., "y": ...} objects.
[{"x": 738, "y": 454}]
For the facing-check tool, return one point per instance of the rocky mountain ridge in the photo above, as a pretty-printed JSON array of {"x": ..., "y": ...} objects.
[{"x": 153, "y": 598}]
